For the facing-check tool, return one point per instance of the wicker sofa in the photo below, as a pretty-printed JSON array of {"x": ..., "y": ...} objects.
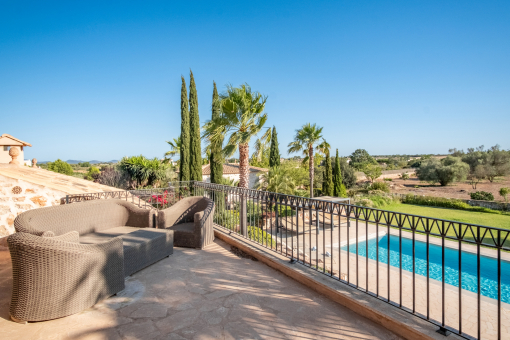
[
  {"x": 191, "y": 219},
  {"x": 67, "y": 258}
]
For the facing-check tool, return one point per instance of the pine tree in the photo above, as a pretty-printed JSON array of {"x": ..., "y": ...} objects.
[
  {"x": 195, "y": 149},
  {"x": 216, "y": 157},
  {"x": 185, "y": 138},
  {"x": 274, "y": 152},
  {"x": 327, "y": 184},
  {"x": 339, "y": 187}
]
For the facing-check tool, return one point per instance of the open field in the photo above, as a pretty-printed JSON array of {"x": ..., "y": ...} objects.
[{"x": 457, "y": 190}]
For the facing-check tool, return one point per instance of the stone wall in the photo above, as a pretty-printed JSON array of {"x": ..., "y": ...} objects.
[
  {"x": 489, "y": 204},
  {"x": 17, "y": 196}
]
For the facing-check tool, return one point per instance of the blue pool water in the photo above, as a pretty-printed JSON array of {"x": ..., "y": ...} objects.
[{"x": 488, "y": 266}]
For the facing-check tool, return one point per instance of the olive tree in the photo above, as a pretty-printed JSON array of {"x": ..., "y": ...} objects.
[
  {"x": 448, "y": 170},
  {"x": 497, "y": 163},
  {"x": 372, "y": 172},
  {"x": 361, "y": 158}
]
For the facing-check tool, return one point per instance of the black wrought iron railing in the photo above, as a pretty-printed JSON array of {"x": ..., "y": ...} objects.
[{"x": 453, "y": 274}]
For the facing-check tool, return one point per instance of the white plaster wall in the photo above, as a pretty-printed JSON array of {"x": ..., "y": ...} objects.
[
  {"x": 5, "y": 158},
  {"x": 31, "y": 196},
  {"x": 252, "y": 179},
  {"x": 207, "y": 178}
]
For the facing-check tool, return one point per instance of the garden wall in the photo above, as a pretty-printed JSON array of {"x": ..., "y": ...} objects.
[{"x": 489, "y": 204}]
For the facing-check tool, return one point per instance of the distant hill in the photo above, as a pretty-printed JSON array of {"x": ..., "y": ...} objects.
[{"x": 74, "y": 161}]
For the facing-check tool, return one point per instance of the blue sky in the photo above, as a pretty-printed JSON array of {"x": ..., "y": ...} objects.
[{"x": 101, "y": 80}]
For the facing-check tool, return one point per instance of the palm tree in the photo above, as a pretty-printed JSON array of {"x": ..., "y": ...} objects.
[
  {"x": 144, "y": 171},
  {"x": 175, "y": 148},
  {"x": 261, "y": 148},
  {"x": 229, "y": 181},
  {"x": 276, "y": 180},
  {"x": 241, "y": 118},
  {"x": 305, "y": 140}
]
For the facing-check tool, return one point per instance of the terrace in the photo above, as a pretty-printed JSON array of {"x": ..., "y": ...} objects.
[
  {"x": 201, "y": 294},
  {"x": 325, "y": 270}
]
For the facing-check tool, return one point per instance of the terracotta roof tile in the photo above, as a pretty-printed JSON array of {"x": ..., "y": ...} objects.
[
  {"x": 230, "y": 169},
  {"x": 7, "y": 139}
]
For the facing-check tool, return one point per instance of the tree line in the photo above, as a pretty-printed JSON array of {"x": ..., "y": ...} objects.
[{"x": 474, "y": 165}]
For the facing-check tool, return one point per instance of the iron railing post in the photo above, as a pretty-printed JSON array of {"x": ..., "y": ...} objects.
[{"x": 243, "y": 216}]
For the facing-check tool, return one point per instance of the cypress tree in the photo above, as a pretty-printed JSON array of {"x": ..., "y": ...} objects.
[
  {"x": 216, "y": 157},
  {"x": 195, "y": 149},
  {"x": 339, "y": 187},
  {"x": 274, "y": 152},
  {"x": 185, "y": 137},
  {"x": 327, "y": 184}
]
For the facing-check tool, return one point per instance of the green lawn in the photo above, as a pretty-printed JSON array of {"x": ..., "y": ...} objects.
[
  {"x": 469, "y": 217},
  {"x": 487, "y": 219}
]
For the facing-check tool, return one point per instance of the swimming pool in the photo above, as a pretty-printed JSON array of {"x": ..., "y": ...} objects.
[{"x": 488, "y": 266}]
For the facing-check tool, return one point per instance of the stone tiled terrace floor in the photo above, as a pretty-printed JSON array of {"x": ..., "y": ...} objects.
[{"x": 193, "y": 294}]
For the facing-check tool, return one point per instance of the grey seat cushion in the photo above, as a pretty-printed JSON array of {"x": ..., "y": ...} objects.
[
  {"x": 183, "y": 227},
  {"x": 142, "y": 246},
  {"x": 106, "y": 234}
]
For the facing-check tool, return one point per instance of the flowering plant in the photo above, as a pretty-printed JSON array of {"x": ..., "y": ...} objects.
[{"x": 159, "y": 199}]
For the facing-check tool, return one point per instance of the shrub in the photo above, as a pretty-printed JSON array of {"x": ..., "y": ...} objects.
[
  {"x": 404, "y": 176},
  {"x": 376, "y": 192},
  {"x": 482, "y": 196},
  {"x": 383, "y": 186},
  {"x": 302, "y": 193},
  {"x": 92, "y": 174},
  {"x": 61, "y": 167},
  {"x": 376, "y": 199},
  {"x": 365, "y": 202},
  {"x": 351, "y": 193},
  {"x": 254, "y": 212},
  {"x": 284, "y": 211},
  {"x": 436, "y": 202},
  {"x": 146, "y": 172},
  {"x": 450, "y": 203},
  {"x": 388, "y": 179},
  {"x": 503, "y": 192},
  {"x": 229, "y": 219},
  {"x": 260, "y": 236},
  {"x": 112, "y": 177}
]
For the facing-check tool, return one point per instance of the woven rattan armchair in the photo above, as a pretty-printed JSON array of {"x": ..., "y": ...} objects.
[
  {"x": 56, "y": 276},
  {"x": 191, "y": 219}
]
